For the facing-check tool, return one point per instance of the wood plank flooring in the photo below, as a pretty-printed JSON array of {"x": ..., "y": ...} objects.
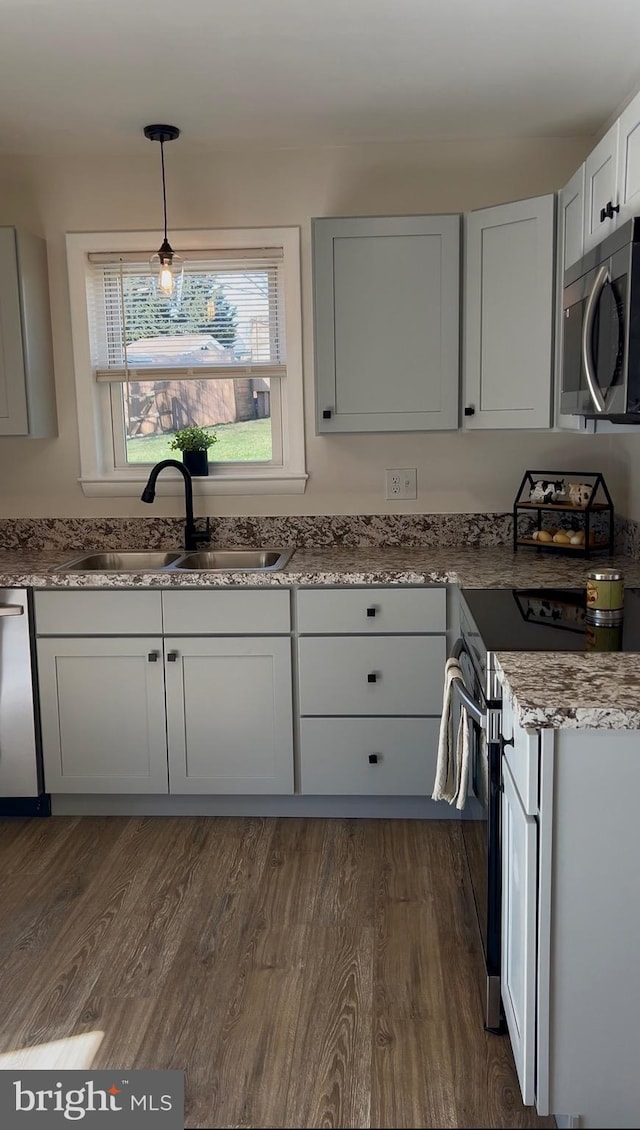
[{"x": 304, "y": 973}]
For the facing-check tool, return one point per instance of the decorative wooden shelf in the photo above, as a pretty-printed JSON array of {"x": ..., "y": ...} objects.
[{"x": 599, "y": 505}]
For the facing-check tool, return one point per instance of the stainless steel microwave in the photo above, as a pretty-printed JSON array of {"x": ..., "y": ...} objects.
[{"x": 601, "y": 330}]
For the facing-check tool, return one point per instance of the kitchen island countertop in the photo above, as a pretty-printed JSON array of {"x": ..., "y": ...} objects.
[{"x": 572, "y": 690}]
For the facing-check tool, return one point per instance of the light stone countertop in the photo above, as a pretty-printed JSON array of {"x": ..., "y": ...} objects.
[
  {"x": 575, "y": 690},
  {"x": 550, "y": 689},
  {"x": 469, "y": 566}
]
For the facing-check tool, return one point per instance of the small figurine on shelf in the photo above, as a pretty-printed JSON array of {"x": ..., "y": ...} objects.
[
  {"x": 546, "y": 491},
  {"x": 579, "y": 493}
]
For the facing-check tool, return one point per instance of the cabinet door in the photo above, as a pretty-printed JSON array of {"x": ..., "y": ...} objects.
[
  {"x": 600, "y": 187},
  {"x": 229, "y": 715},
  {"x": 571, "y": 220},
  {"x": 519, "y": 894},
  {"x": 103, "y": 715},
  {"x": 13, "y": 393},
  {"x": 629, "y": 160},
  {"x": 509, "y": 315},
  {"x": 569, "y": 249},
  {"x": 387, "y": 295}
]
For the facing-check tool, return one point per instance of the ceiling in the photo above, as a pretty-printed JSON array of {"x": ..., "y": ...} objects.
[{"x": 84, "y": 76}]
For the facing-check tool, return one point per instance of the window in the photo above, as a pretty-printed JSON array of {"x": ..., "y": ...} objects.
[{"x": 223, "y": 351}]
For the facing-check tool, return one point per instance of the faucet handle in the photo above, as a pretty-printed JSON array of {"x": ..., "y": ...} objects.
[{"x": 204, "y": 535}]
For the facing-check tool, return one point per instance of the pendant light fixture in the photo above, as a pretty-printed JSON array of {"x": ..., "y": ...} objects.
[{"x": 166, "y": 259}]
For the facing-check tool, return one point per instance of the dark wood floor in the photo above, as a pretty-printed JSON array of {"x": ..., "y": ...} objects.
[{"x": 303, "y": 972}]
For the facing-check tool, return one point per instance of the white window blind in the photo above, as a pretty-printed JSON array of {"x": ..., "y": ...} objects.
[{"x": 226, "y": 318}]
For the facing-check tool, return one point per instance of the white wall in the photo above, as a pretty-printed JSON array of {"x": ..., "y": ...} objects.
[{"x": 455, "y": 472}]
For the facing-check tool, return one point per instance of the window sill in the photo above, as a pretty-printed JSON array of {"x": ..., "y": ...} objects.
[{"x": 170, "y": 484}]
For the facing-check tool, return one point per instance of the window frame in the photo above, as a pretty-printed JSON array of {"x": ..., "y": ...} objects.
[{"x": 100, "y": 474}]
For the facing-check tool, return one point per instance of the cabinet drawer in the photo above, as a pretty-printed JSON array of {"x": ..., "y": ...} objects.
[
  {"x": 380, "y": 675},
  {"x": 225, "y": 612},
  {"x": 98, "y": 613},
  {"x": 371, "y": 610},
  {"x": 336, "y": 753},
  {"x": 522, "y": 758}
]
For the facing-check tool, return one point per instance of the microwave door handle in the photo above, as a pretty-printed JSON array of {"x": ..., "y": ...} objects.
[{"x": 601, "y": 280}]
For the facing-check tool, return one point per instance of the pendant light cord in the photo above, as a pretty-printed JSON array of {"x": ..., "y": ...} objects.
[{"x": 164, "y": 190}]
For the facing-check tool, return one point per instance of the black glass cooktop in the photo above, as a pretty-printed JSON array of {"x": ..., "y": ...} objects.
[{"x": 549, "y": 620}]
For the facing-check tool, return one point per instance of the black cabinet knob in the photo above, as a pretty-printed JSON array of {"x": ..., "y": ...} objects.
[
  {"x": 371, "y": 610},
  {"x": 608, "y": 212},
  {"x": 373, "y": 759},
  {"x": 172, "y": 656},
  {"x": 470, "y": 410},
  {"x": 372, "y": 677},
  {"x": 153, "y": 657},
  {"x": 326, "y": 414}
]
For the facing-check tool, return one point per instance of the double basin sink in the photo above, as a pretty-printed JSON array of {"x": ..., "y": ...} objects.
[{"x": 208, "y": 560}]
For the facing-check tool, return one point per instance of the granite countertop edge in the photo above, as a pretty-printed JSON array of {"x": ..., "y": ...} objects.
[{"x": 572, "y": 690}]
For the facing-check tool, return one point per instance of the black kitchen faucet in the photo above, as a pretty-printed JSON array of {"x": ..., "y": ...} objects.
[{"x": 191, "y": 535}]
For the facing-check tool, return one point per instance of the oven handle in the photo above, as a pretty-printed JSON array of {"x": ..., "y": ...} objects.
[
  {"x": 602, "y": 278},
  {"x": 474, "y": 710}
]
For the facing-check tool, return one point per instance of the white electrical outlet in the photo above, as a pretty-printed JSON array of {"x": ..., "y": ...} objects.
[{"x": 402, "y": 483}]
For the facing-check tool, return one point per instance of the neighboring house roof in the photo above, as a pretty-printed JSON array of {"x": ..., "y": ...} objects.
[{"x": 175, "y": 343}]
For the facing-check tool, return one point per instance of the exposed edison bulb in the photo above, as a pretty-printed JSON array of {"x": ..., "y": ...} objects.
[{"x": 165, "y": 281}]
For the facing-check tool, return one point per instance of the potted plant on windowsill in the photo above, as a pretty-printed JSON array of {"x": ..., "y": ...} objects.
[{"x": 194, "y": 443}]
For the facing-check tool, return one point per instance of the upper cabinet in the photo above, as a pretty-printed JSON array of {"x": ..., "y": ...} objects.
[
  {"x": 571, "y": 222},
  {"x": 509, "y": 274},
  {"x": 629, "y": 160},
  {"x": 612, "y": 177},
  {"x": 386, "y": 295},
  {"x": 601, "y": 193},
  {"x": 27, "y": 401}
]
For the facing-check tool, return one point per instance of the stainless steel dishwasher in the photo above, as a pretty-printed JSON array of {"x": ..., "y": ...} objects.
[{"x": 21, "y": 783}]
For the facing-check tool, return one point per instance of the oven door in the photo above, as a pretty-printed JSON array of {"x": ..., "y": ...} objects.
[{"x": 482, "y": 837}]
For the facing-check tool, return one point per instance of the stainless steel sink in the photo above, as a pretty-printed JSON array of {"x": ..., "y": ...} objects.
[
  {"x": 125, "y": 562},
  {"x": 235, "y": 560},
  {"x": 220, "y": 560}
]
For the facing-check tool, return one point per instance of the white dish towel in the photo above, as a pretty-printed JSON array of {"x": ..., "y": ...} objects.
[{"x": 452, "y": 767}]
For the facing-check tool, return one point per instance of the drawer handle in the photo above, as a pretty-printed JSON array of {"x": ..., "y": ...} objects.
[
  {"x": 371, "y": 610},
  {"x": 153, "y": 656},
  {"x": 372, "y": 677},
  {"x": 373, "y": 759},
  {"x": 327, "y": 414},
  {"x": 172, "y": 656}
]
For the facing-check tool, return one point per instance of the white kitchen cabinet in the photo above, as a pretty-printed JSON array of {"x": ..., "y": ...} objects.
[
  {"x": 571, "y": 220},
  {"x": 571, "y": 919},
  {"x": 386, "y": 299},
  {"x": 601, "y": 189},
  {"x": 569, "y": 249},
  {"x": 629, "y": 161},
  {"x": 103, "y": 717},
  {"x": 370, "y": 663},
  {"x": 508, "y": 335},
  {"x": 27, "y": 399},
  {"x": 229, "y": 715},
  {"x": 519, "y": 926}
]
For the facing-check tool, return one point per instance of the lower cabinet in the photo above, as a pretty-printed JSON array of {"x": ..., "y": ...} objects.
[
  {"x": 368, "y": 756},
  {"x": 103, "y": 715},
  {"x": 370, "y": 683},
  {"x": 229, "y": 714},
  {"x": 519, "y": 924}
]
